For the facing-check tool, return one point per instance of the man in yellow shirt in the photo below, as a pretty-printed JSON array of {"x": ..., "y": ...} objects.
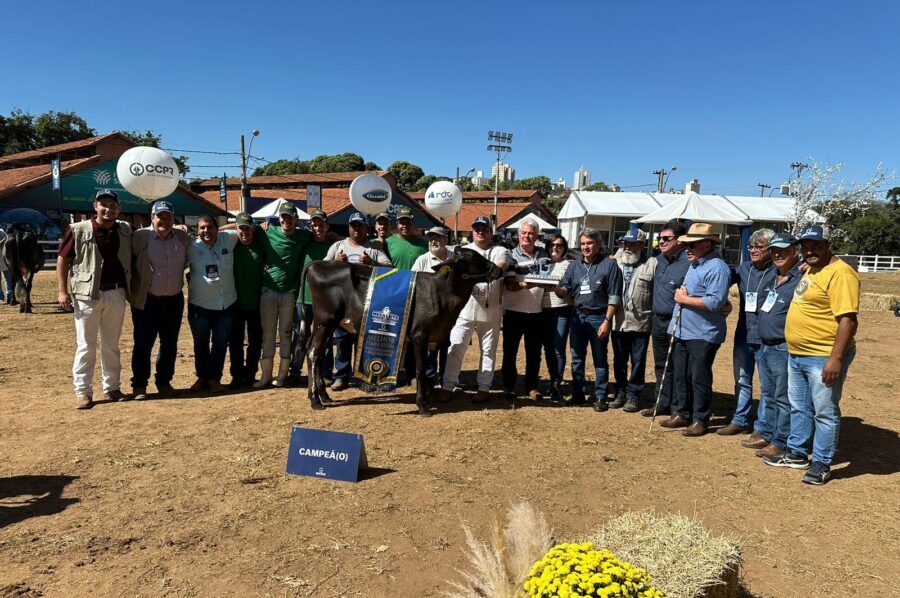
[{"x": 821, "y": 323}]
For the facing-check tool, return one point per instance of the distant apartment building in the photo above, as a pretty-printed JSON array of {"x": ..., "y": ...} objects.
[
  {"x": 560, "y": 183},
  {"x": 503, "y": 172},
  {"x": 478, "y": 180},
  {"x": 582, "y": 179}
]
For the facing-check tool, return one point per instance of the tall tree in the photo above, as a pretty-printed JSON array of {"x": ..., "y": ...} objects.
[
  {"x": 22, "y": 131},
  {"x": 407, "y": 174},
  {"x": 541, "y": 183},
  {"x": 151, "y": 139},
  {"x": 17, "y": 132},
  {"x": 346, "y": 162},
  {"x": 283, "y": 166},
  {"x": 372, "y": 166}
]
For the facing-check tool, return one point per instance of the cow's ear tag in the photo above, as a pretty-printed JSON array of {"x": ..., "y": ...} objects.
[{"x": 444, "y": 270}]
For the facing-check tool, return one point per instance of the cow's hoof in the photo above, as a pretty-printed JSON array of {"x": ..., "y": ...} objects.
[{"x": 318, "y": 406}]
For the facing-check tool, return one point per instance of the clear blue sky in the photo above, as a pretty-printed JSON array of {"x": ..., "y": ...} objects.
[{"x": 730, "y": 92}]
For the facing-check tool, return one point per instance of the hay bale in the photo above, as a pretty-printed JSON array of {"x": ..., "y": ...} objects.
[
  {"x": 682, "y": 557},
  {"x": 877, "y": 302}
]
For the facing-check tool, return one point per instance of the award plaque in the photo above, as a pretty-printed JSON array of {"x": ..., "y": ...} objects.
[{"x": 538, "y": 273}]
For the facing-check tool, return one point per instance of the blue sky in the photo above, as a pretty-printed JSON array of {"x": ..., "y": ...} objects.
[{"x": 730, "y": 92}]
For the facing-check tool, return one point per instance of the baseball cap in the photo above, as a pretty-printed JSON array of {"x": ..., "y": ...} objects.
[
  {"x": 814, "y": 232},
  {"x": 635, "y": 236},
  {"x": 357, "y": 217},
  {"x": 106, "y": 193},
  {"x": 404, "y": 212},
  {"x": 163, "y": 206},
  {"x": 438, "y": 230},
  {"x": 386, "y": 215},
  {"x": 783, "y": 240},
  {"x": 483, "y": 220},
  {"x": 287, "y": 208},
  {"x": 319, "y": 214},
  {"x": 243, "y": 219}
]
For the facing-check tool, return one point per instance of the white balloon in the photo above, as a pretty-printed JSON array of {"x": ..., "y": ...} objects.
[
  {"x": 147, "y": 172},
  {"x": 370, "y": 194},
  {"x": 443, "y": 199}
]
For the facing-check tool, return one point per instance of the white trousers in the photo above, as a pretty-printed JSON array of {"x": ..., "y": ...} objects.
[
  {"x": 460, "y": 336},
  {"x": 103, "y": 317},
  {"x": 276, "y": 311}
]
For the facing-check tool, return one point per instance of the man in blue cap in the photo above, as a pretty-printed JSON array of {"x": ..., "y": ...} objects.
[
  {"x": 772, "y": 356},
  {"x": 820, "y": 328},
  {"x": 157, "y": 299}
]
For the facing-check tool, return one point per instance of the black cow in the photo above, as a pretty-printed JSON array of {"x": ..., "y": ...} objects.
[
  {"x": 25, "y": 257},
  {"x": 338, "y": 292}
]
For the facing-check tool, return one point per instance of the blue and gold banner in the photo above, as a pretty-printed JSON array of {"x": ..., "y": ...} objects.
[{"x": 382, "y": 336}]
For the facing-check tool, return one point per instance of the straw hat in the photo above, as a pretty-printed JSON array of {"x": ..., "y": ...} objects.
[{"x": 700, "y": 231}]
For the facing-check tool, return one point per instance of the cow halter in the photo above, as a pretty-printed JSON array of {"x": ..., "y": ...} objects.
[{"x": 486, "y": 275}]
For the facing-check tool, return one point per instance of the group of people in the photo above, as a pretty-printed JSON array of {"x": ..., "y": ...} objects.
[{"x": 796, "y": 323}]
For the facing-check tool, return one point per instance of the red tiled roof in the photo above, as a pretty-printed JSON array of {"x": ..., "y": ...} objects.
[
  {"x": 13, "y": 180},
  {"x": 59, "y": 149},
  {"x": 290, "y": 180},
  {"x": 333, "y": 200},
  {"x": 506, "y": 213}
]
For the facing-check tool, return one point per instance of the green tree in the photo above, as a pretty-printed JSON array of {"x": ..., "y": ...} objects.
[
  {"x": 893, "y": 198},
  {"x": 874, "y": 234},
  {"x": 151, "y": 139},
  {"x": 17, "y": 132},
  {"x": 541, "y": 183},
  {"x": 372, "y": 166},
  {"x": 22, "y": 131},
  {"x": 426, "y": 181},
  {"x": 346, "y": 162},
  {"x": 407, "y": 174},
  {"x": 598, "y": 186},
  {"x": 283, "y": 166}
]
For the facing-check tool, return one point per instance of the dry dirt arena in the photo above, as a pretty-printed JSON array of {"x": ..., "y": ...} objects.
[{"x": 188, "y": 496}]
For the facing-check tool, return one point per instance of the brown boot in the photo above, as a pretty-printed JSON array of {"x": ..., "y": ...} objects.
[
  {"x": 731, "y": 430},
  {"x": 769, "y": 451},
  {"x": 83, "y": 402},
  {"x": 695, "y": 429},
  {"x": 755, "y": 441},
  {"x": 676, "y": 421}
]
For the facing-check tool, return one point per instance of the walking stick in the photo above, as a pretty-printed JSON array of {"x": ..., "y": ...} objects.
[{"x": 666, "y": 366}]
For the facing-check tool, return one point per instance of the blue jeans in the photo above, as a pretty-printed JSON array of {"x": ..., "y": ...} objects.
[
  {"x": 558, "y": 321},
  {"x": 160, "y": 317},
  {"x": 744, "y": 360},
  {"x": 343, "y": 355},
  {"x": 211, "y": 329},
  {"x": 7, "y": 274},
  {"x": 630, "y": 346},
  {"x": 584, "y": 331},
  {"x": 815, "y": 407},
  {"x": 772, "y": 364}
]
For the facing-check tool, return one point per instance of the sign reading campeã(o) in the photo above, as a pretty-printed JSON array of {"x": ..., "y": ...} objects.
[
  {"x": 147, "y": 172},
  {"x": 370, "y": 194}
]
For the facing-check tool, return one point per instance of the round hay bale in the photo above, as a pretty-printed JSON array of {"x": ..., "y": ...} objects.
[
  {"x": 877, "y": 302},
  {"x": 682, "y": 557}
]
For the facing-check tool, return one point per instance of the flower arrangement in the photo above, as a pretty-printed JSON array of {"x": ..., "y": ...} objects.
[{"x": 569, "y": 570}]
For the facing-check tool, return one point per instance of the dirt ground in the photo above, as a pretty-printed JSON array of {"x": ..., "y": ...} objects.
[{"x": 188, "y": 496}]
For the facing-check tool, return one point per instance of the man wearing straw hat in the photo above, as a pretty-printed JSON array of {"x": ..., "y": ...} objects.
[{"x": 700, "y": 330}]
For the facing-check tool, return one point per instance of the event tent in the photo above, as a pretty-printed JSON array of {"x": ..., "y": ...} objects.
[
  {"x": 545, "y": 226},
  {"x": 695, "y": 207},
  {"x": 270, "y": 210}
]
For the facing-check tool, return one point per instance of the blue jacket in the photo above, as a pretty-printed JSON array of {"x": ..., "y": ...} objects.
[
  {"x": 594, "y": 286},
  {"x": 771, "y": 323},
  {"x": 753, "y": 280},
  {"x": 668, "y": 277}
]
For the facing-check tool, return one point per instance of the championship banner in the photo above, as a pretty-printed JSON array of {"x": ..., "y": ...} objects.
[{"x": 382, "y": 336}]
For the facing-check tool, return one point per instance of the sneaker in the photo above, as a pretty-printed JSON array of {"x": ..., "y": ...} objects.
[
  {"x": 619, "y": 401},
  {"x": 787, "y": 459},
  {"x": 339, "y": 384},
  {"x": 83, "y": 402},
  {"x": 166, "y": 390},
  {"x": 115, "y": 395},
  {"x": 631, "y": 406},
  {"x": 139, "y": 393},
  {"x": 818, "y": 474}
]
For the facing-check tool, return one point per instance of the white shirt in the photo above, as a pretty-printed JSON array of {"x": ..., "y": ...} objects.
[
  {"x": 353, "y": 251},
  {"x": 427, "y": 261},
  {"x": 485, "y": 304}
]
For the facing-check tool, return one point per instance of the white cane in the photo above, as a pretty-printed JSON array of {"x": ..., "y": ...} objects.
[{"x": 666, "y": 366}]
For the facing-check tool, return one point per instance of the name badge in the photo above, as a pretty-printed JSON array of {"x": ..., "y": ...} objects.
[
  {"x": 749, "y": 302},
  {"x": 212, "y": 271},
  {"x": 585, "y": 288},
  {"x": 771, "y": 299}
]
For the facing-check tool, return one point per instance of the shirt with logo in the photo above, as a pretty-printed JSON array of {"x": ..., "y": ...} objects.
[
  {"x": 758, "y": 282},
  {"x": 528, "y": 301},
  {"x": 249, "y": 262},
  {"x": 821, "y": 296},
  {"x": 773, "y": 313},
  {"x": 211, "y": 280},
  {"x": 669, "y": 276},
  {"x": 403, "y": 253},
  {"x": 594, "y": 286},
  {"x": 486, "y": 302},
  {"x": 354, "y": 251}
]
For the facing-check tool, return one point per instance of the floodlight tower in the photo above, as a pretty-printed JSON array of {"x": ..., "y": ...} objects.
[{"x": 503, "y": 143}]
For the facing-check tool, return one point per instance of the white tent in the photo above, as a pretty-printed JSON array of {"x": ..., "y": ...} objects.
[
  {"x": 545, "y": 226},
  {"x": 698, "y": 208},
  {"x": 270, "y": 210}
]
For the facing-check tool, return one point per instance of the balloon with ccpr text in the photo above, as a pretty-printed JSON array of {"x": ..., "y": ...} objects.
[
  {"x": 443, "y": 199},
  {"x": 147, "y": 172}
]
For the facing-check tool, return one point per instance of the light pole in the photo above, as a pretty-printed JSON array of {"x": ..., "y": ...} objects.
[
  {"x": 663, "y": 177},
  {"x": 503, "y": 144},
  {"x": 245, "y": 192},
  {"x": 762, "y": 188},
  {"x": 798, "y": 166}
]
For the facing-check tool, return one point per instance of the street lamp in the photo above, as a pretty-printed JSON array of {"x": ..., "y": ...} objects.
[
  {"x": 503, "y": 144},
  {"x": 245, "y": 193},
  {"x": 663, "y": 177}
]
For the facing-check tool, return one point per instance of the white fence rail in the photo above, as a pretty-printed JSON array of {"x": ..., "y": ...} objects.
[
  {"x": 876, "y": 263},
  {"x": 51, "y": 251}
]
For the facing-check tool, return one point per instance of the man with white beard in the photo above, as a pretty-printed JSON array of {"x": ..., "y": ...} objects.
[{"x": 631, "y": 324}]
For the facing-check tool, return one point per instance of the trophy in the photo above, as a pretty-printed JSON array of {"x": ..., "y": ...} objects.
[{"x": 537, "y": 273}]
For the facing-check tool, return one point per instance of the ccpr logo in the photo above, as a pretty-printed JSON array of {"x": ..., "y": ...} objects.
[{"x": 136, "y": 169}]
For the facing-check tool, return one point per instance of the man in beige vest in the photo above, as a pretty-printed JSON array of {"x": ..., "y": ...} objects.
[{"x": 93, "y": 272}]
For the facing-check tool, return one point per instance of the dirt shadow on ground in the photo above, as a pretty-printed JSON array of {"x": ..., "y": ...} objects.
[
  {"x": 866, "y": 449},
  {"x": 27, "y": 496}
]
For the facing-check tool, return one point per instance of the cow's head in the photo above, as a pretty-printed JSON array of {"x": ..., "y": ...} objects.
[{"x": 469, "y": 265}]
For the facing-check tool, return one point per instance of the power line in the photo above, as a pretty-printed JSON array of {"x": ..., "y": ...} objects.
[{"x": 187, "y": 151}]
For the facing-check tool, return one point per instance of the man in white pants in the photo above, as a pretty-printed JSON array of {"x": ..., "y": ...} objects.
[
  {"x": 93, "y": 272},
  {"x": 481, "y": 316}
]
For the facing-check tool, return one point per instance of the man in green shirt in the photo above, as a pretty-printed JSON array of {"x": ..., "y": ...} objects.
[
  {"x": 249, "y": 260},
  {"x": 284, "y": 247},
  {"x": 404, "y": 247},
  {"x": 316, "y": 251}
]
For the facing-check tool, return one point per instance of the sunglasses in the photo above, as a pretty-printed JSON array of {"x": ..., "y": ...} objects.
[
  {"x": 693, "y": 244},
  {"x": 666, "y": 239},
  {"x": 758, "y": 248},
  {"x": 560, "y": 245}
]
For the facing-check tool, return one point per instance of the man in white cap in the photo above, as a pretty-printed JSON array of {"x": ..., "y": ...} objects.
[
  {"x": 157, "y": 300},
  {"x": 438, "y": 253}
]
